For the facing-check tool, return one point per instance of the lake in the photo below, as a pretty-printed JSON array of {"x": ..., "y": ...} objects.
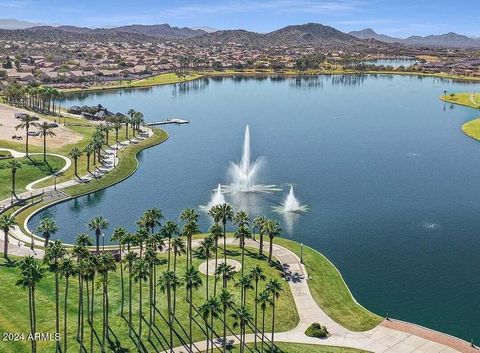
[{"x": 391, "y": 182}]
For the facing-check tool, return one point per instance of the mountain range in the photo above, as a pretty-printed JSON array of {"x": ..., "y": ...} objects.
[
  {"x": 449, "y": 40},
  {"x": 307, "y": 34}
]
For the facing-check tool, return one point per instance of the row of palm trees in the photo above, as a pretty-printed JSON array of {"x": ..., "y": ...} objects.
[
  {"x": 138, "y": 259},
  {"x": 37, "y": 98},
  {"x": 45, "y": 129}
]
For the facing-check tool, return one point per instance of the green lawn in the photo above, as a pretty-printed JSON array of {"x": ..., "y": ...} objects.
[
  {"x": 330, "y": 290},
  {"x": 308, "y": 348},
  {"x": 14, "y": 308},
  {"x": 33, "y": 168},
  {"x": 472, "y": 129},
  {"x": 466, "y": 99}
]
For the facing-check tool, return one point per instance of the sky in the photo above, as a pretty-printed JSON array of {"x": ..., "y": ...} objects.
[{"x": 399, "y": 18}]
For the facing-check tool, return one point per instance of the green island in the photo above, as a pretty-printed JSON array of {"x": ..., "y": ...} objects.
[{"x": 471, "y": 100}]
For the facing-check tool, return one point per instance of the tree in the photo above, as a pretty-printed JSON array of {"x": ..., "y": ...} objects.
[
  {"x": 45, "y": 130},
  {"x": 242, "y": 232},
  {"x": 259, "y": 224},
  {"x": 226, "y": 299},
  {"x": 274, "y": 288},
  {"x": 117, "y": 126},
  {"x": 215, "y": 233},
  {"x": 241, "y": 317},
  {"x": 31, "y": 273},
  {"x": 67, "y": 269},
  {"x": 263, "y": 300},
  {"x": 222, "y": 213},
  {"x": 272, "y": 228},
  {"x": 226, "y": 271},
  {"x": 190, "y": 217},
  {"x": 106, "y": 264},
  {"x": 120, "y": 235},
  {"x": 210, "y": 310},
  {"x": 7, "y": 222},
  {"x": 54, "y": 252},
  {"x": 245, "y": 283},
  {"x": 140, "y": 274},
  {"x": 205, "y": 249},
  {"x": 169, "y": 230},
  {"x": 130, "y": 258},
  {"x": 47, "y": 227},
  {"x": 152, "y": 218},
  {"x": 27, "y": 121},
  {"x": 168, "y": 283},
  {"x": 98, "y": 224},
  {"x": 14, "y": 167},
  {"x": 75, "y": 153},
  {"x": 192, "y": 282},
  {"x": 80, "y": 251},
  {"x": 256, "y": 273},
  {"x": 88, "y": 150}
]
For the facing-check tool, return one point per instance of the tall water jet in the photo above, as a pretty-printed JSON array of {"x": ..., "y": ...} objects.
[
  {"x": 290, "y": 209},
  {"x": 245, "y": 173},
  {"x": 291, "y": 204},
  {"x": 216, "y": 199}
]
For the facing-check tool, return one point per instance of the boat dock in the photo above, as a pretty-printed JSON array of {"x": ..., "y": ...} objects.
[{"x": 174, "y": 121}]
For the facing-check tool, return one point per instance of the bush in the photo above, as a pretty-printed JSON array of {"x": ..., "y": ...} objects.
[{"x": 317, "y": 330}]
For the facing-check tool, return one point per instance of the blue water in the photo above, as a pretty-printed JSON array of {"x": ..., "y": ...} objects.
[{"x": 392, "y": 183}]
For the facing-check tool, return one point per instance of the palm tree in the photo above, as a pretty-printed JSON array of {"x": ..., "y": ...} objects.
[
  {"x": 179, "y": 248},
  {"x": 274, "y": 288},
  {"x": 226, "y": 271},
  {"x": 75, "y": 153},
  {"x": 152, "y": 218},
  {"x": 168, "y": 282},
  {"x": 98, "y": 224},
  {"x": 169, "y": 230},
  {"x": 27, "y": 121},
  {"x": 215, "y": 233},
  {"x": 259, "y": 224},
  {"x": 131, "y": 114},
  {"x": 119, "y": 235},
  {"x": 206, "y": 248},
  {"x": 14, "y": 167},
  {"x": 140, "y": 274},
  {"x": 257, "y": 275},
  {"x": 226, "y": 299},
  {"x": 241, "y": 220},
  {"x": 158, "y": 245},
  {"x": 272, "y": 228},
  {"x": 130, "y": 258},
  {"x": 54, "y": 252},
  {"x": 88, "y": 150},
  {"x": 7, "y": 222},
  {"x": 245, "y": 283},
  {"x": 47, "y": 227},
  {"x": 210, "y": 310},
  {"x": 91, "y": 264},
  {"x": 30, "y": 275},
  {"x": 80, "y": 251},
  {"x": 263, "y": 300},
  {"x": 192, "y": 281},
  {"x": 45, "y": 130},
  {"x": 241, "y": 317},
  {"x": 117, "y": 126},
  {"x": 106, "y": 263},
  {"x": 242, "y": 232},
  {"x": 142, "y": 236},
  {"x": 152, "y": 260},
  {"x": 222, "y": 213},
  {"x": 67, "y": 269},
  {"x": 190, "y": 217}
]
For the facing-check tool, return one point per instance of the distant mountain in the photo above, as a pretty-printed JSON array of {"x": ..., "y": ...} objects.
[
  {"x": 160, "y": 31},
  {"x": 10, "y": 23},
  {"x": 369, "y": 33},
  {"x": 310, "y": 33},
  {"x": 205, "y": 29},
  {"x": 449, "y": 40}
]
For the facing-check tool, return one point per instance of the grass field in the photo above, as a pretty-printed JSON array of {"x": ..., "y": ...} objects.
[
  {"x": 33, "y": 168},
  {"x": 14, "y": 308},
  {"x": 472, "y": 129},
  {"x": 331, "y": 292},
  {"x": 466, "y": 99}
]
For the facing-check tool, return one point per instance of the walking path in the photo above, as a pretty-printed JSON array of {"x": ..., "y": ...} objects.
[{"x": 391, "y": 336}]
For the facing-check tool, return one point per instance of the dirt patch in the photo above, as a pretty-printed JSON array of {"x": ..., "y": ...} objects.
[{"x": 7, "y": 129}]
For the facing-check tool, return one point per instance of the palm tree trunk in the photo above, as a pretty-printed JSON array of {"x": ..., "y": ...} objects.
[
  {"x": 190, "y": 298},
  {"x": 65, "y": 311},
  {"x": 169, "y": 308},
  {"x": 260, "y": 249},
  {"x": 270, "y": 250},
  {"x": 34, "y": 320},
  {"x": 104, "y": 312},
  {"x": 272, "y": 345},
  {"x": 255, "y": 313},
  {"x": 129, "y": 297},
  {"x": 45, "y": 147},
  {"x": 150, "y": 288},
  {"x": 139, "y": 315},
  {"x": 92, "y": 298},
  {"x": 122, "y": 299},
  {"x": 5, "y": 245},
  {"x": 26, "y": 143},
  {"x": 32, "y": 331},
  {"x": 263, "y": 329},
  {"x": 57, "y": 311},
  {"x": 224, "y": 340},
  {"x": 216, "y": 260},
  {"x": 225, "y": 241},
  {"x": 13, "y": 182}
]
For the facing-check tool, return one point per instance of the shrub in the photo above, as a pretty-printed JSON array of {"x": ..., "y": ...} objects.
[{"x": 317, "y": 330}]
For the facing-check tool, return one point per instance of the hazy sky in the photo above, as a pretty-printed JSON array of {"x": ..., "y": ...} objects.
[{"x": 398, "y": 18}]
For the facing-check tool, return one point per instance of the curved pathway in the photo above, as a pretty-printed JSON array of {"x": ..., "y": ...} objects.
[
  {"x": 390, "y": 336},
  {"x": 67, "y": 165}
]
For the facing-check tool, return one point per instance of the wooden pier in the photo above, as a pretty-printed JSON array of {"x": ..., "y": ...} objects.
[{"x": 173, "y": 121}]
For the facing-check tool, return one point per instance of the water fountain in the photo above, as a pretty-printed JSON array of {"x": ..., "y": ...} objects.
[
  {"x": 245, "y": 173},
  {"x": 290, "y": 209},
  {"x": 216, "y": 199}
]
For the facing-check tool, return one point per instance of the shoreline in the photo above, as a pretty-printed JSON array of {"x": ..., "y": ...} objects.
[{"x": 144, "y": 83}]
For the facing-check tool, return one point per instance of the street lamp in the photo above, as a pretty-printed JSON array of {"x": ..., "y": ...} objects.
[{"x": 55, "y": 182}]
